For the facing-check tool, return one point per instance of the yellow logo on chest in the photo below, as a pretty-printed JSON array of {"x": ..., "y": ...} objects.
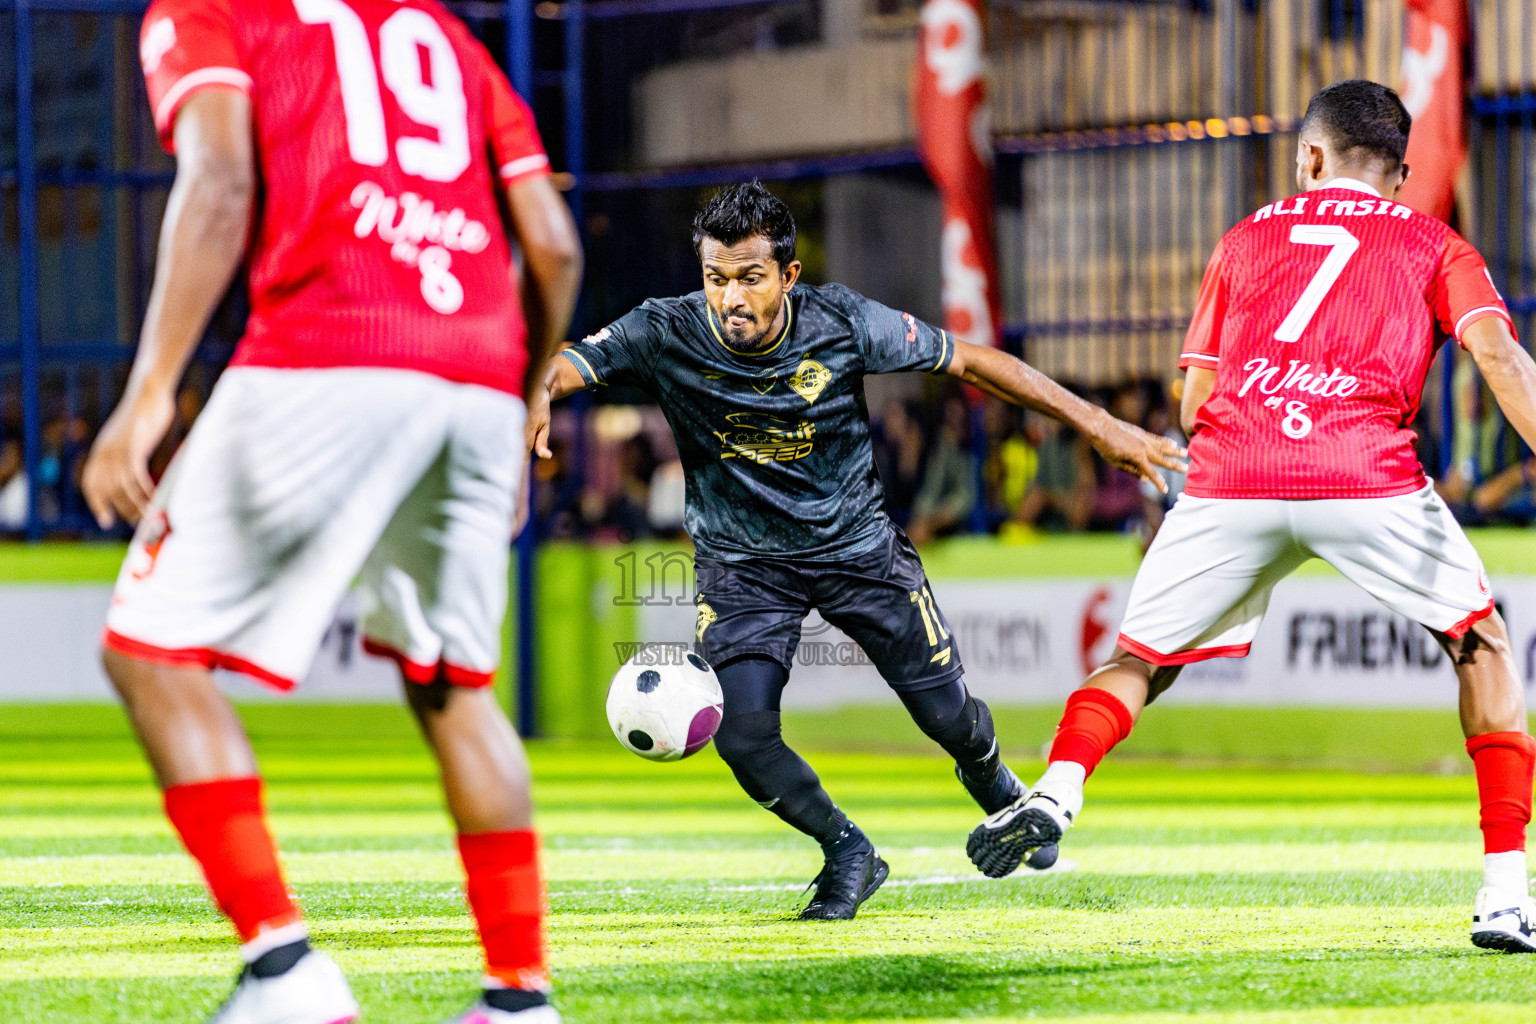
[
  {"x": 765, "y": 439},
  {"x": 810, "y": 380}
]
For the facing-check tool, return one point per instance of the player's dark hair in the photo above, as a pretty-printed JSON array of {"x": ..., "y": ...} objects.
[
  {"x": 739, "y": 212},
  {"x": 1362, "y": 120}
]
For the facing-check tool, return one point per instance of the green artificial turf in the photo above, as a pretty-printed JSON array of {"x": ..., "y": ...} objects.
[
  {"x": 1200, "y": 890},
  {"x": 60, "y": 562}
]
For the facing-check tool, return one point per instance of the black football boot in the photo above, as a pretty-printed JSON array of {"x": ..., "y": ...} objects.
[{"x": 851, "y": 874}]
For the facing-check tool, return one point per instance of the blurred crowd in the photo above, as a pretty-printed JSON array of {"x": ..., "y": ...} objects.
[
  {"x": 951, "y": 463},
  {"x": 962, "y": 466}
]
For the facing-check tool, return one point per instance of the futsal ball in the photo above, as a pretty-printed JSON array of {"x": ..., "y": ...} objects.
[{"x": 664, "y": 712}]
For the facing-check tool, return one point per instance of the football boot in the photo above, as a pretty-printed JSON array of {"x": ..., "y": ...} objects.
[
  {"x": 847, "y": 879},
  {"x": 1030, "y": 827},
  {"x": 312, "y": 991},
  {"x": 1503, "y": 920}
]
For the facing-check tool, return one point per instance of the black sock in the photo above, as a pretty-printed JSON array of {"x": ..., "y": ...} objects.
[
  {"x": 513, "y": 1000},
  {"x": 959, "y": 723},
  {"x": 276, "y": 962},
  {"x": 978, "y": 755},
  {"x": 777, "y": 777},
  {"x": 847, "y": 839},
  {"x": 751, "y": 741}
]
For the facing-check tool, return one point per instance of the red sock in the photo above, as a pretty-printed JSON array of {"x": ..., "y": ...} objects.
[
  {"x": 225, "y": 831},
  {"x": 1504, "y": 763},
  {"x": 506, "y": 895},
  {"x": 1095, "y": 720}
]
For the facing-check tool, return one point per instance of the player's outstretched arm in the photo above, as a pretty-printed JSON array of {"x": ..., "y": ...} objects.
[
  {"x": 1013, "y": 380},
  {"x": 202, "y": 243},
  {"x": 560, "y": 378},
  {"x": 1508, "y": 369}
]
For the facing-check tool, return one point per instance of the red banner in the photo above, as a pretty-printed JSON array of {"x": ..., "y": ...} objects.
[
  {"x": 954, "y": 138},
  {"x": 1434, "y": 91}
]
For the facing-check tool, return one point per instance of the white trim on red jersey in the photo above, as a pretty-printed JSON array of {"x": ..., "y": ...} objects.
[
  {"x": 197, "y": 80},
  {"x": 1495, "y": 310},
  {"x": 524, "y": 165},
  {"x": 1213, "y": 360}
]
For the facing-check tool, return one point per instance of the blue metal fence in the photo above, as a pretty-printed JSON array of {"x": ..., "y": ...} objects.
[{"x": 83, "y": 184}]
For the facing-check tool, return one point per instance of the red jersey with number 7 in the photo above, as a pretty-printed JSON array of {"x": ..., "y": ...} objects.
[
  {"x": 381, "y": 130},
  {"x": 1318, "y": 315}
]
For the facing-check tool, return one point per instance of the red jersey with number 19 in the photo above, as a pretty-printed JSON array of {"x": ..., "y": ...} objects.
[
  {"x": 1317, "y": 314},
  {"x": 381, "y": 129}
]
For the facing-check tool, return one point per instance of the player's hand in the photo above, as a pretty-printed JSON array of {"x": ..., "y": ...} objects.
[
  {"x": 116, "y": 480},
  {"x": 536, "y": 430},
  {"x": 1136, "y": 451}
]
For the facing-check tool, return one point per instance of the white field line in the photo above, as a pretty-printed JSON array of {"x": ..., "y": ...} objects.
[{"x": 1060, "y": 867}]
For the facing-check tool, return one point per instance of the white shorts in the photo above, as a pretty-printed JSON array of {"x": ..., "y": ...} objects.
[
  {"x": 1205, "y": 584},
  {"x": 296, "y": 483}
]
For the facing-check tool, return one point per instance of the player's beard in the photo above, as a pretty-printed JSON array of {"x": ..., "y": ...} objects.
[{"x": 753, "y": 337}]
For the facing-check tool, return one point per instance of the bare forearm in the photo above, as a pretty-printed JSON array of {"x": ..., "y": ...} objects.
[
  {"x": 1515, "y": 388},
  {"x": 549, "y": 298},
  {"x": 1121, "y": 444},
  {"x": 202, "y": 243},
  {"x": 1013, "y": 380},
  {"x": 552, "y": 266},
  {"x": 203, "y": 237},
  {"x": 1509, "y": 372},
  {"x": 561, "y": 378}
]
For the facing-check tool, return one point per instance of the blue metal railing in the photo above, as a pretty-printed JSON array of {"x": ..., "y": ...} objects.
[{"x": 29, "y": 324}]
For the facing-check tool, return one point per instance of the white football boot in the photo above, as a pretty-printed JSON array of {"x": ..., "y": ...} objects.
[
  {"x": 1504, "y": 920},
  {"x": 312, "y": 991},
  {"x": 482, "y": 1014},
  {"x": 1034, "y": 823}
]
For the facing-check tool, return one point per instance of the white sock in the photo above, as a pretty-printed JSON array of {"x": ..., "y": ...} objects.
[
  {"x": 1506, "y": 872},
  {"x": 1063, "y": 774},
  {"x": 271, "y": 938}
]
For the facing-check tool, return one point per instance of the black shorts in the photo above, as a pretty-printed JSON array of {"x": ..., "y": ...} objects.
[{"x": 880, "y": 598}]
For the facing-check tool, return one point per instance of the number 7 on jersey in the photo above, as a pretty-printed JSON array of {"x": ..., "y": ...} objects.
[{"x": 1343, "y": 245}]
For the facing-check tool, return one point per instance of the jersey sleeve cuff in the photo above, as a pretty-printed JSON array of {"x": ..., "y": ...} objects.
[
  {"x": 1481, "y": 313},
  {"x": 583, "y": 367},
  {"x": 946, "y": 353},
  {"x": 1198, "y": 359},
  {"x": 188, "y": 85},
  {"x": 524, "y": 168}
]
